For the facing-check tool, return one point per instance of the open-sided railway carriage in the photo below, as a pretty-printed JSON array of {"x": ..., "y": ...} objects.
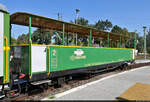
[{"x": 31, "y": 63}]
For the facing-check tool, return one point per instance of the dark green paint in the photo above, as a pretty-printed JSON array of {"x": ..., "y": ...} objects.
[
  {"x": 30, "y": 45},
  {"x": 90, "y": 37},
  {"x": 63, "y": 58},
  {"x": 120, "y": 42},
  {"x": 6, "y": 34},
  {"x": 107, "y": 39},
  {"x": 63, "y": 33},
  {"x": 135, "y": 40}
]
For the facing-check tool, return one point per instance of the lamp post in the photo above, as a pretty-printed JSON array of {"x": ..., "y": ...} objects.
[
  {"x": 77, "y": 11},
  {"x": 76, "y": 22},
  {"x": 144, "y": 27}
]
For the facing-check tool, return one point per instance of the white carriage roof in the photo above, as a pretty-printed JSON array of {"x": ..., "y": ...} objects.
[{"x": 3, "y": 8}]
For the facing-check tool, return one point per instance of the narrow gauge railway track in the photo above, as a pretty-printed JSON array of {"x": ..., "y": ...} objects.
[{"x": 38, "y": 93}]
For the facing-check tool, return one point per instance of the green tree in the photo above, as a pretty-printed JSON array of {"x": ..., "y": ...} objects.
[
  {"x": 81, "y": 21},
  {"x": 148, "y": 41},
  {"x": 41, "y": 36},
  {"x": 103, "y": 25},
  {"x": 139, "y": 41},
  {"x": 116, "y": 29},
  {"x": 57, "y": 37},
  {"x": 131, "y": 36},
  {"x": 140, "y": 44},
  {"x": 23, "y": 39},
  {"x": 82, "y": 40},
  {"x": 13, "y": 41},
  {"x": 125, "y": 32}
]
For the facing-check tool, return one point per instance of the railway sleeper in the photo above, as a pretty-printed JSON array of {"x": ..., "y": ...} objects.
[
  {"x": 34, "y": 89},
  {"x": 15, "y": 90},
  {"x": 12, "y": 93},
  {"x": 68, "y": 78},
  {"x": 8, "y": 92},
  {"x": 2, "y": 95},
  {"x": 58, "y": 81},
  {"x": 3, "y": 91}
]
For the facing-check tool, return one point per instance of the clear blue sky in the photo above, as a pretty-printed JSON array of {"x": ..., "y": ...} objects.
[{"x": 131, "y": 14}]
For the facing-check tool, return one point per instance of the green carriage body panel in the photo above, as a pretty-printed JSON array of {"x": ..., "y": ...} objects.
[
  {"x": 65, "y": 58},
  {"x": 60, "y": 58},
  {"x": 7, "y": 49}
]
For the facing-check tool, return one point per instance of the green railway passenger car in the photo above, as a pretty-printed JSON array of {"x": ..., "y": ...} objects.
[
  {"x": 41, "y": 62},
  {"x": 31, "y": 63}
]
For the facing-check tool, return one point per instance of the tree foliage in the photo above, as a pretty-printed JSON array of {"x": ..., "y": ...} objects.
[
  {"x": 103, "y": 25},
  {"x": 148, "y": 41},
  {"x": 81, "y": 21},
  {"x": 41, "y": 36},
  {"x": 116, "y": 29},
  {"x": 23, "y": 39},
  {"x": 13, "y": 41},
  {"x": 140, "y": 44}
]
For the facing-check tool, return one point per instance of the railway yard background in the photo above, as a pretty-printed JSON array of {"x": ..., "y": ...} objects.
[{"x": 86, "y": 55}]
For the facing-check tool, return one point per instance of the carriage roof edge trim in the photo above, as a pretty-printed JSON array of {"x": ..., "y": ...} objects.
[
  {"x": 3, "y": 8},
  {"x": 16, "y": 45}
]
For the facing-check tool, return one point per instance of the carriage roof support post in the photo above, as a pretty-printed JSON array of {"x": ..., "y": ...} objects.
[
  {"x": 120, "y": 41},
  {"x": 107, "y": 39},
  {"x": 118, "y": 44},
  {"x": 29, "y": 28},
  {"x": 90, "y": 37},
  {"x": 30, "y": 49},
  {"x": 129, "y": 40},
  {"x": 63, "y": 34},
  {"x": 135, "y": 40},
  {"x": 76, "y": 39},
  {"x": 112, "y": 44},
  {"x": 109, "y": 42}
]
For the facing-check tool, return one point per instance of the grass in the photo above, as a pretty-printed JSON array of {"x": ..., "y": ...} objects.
[{"x": 51, "y": 97}]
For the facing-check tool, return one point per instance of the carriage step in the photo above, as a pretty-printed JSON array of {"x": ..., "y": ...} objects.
[
  {"x": 41, "y": 82},
  {"x": 2, "y": 96}
]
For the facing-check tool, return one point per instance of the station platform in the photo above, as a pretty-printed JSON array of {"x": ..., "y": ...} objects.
[
  {"x": 133, "y": 84},
  {"x": 142, "y": 61}
]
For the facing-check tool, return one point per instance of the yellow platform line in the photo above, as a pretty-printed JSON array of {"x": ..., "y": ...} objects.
[{"x": 138, "y": 91}]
